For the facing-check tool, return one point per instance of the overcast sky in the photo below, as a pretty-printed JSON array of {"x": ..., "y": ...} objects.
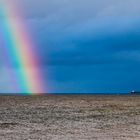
[{"x": 85, "y": 45}]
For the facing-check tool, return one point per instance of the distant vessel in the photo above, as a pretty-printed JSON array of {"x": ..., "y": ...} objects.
[{"x": 133, "y": 92}]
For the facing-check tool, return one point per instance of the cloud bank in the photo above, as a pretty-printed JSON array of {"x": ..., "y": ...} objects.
[{"x": 86, "y": 46}]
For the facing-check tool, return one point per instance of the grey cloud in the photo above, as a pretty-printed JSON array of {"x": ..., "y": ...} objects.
[
  {"x": 5, "y": 83},
  {"x": 79, "y": 8}
]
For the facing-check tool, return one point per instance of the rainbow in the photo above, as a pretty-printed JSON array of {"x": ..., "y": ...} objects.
[{"x": 20, "y": 51}]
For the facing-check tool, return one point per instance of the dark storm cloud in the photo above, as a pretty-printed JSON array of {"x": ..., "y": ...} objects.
[{"x": 92, "y": 46}]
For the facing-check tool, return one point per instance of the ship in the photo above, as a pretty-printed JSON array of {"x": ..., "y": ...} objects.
[{"x": 133, "y": 92}]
